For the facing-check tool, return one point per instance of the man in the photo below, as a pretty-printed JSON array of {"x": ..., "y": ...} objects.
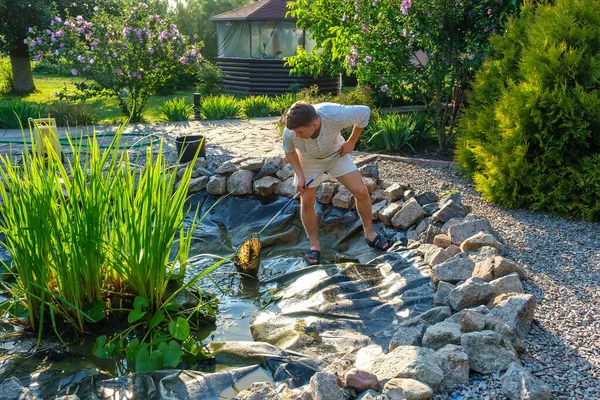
[{"x": 311, "y": 140}]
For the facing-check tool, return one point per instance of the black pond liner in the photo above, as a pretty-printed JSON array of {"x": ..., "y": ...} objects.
[{"x": 312, "y": 316}]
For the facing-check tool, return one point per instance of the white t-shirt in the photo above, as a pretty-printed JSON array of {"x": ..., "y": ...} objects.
[{"x": 334, "y": 118}]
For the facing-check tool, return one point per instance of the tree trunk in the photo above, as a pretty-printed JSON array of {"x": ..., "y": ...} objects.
[
  {"x": 21, "y": 68},
  {"x": 442, "y": 140}
]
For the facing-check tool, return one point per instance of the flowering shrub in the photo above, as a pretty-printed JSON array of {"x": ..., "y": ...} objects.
[
  {"x": 126, "y": 56},
  {"x": 427, "y": 50}
]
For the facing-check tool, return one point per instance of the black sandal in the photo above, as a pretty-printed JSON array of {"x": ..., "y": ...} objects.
[
  {"x": 312, "y": 257},
  {"x": 380, "y": 242}
]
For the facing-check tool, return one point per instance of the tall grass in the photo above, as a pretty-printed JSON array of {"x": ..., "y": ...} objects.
[
  {"x": 257, "y": 106},
  {"x": 220, "y": 107},
  {"x": 176, "y": 110},
  {"x": 393, "y": 132},
  {"x": 14, "y": 113}
]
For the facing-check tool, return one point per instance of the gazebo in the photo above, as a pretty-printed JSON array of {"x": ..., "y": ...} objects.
[{"x": 252, "y": 41}]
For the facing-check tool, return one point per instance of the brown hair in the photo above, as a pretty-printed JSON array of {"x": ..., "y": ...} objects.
[{"x": 300, "y": 114}]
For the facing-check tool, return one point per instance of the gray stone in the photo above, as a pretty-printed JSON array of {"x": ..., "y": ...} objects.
[
  {"x": 488, "y": 351},
  {"x": 507, "y": 284},
  {"x": 408, "y": 362},
  {"x": 449, "y": 210},
  {"x": 12, "y": 389},
  {"x": 456, "y": 269},
  {"x": 460, "y": 232},
  {"x": 471, "y": 321},
  {"x": 376, "y": 208},
  {"x": 389, "y": 212},
  {"x": 269, "y": 169},
  {"x": 286, "y": 188},
  {"x": 181, "y": 172},
  {"x": 482, "y": 253},
  {"x": 217, "y": 185},
  {"x": 361, "y": 380},
  {"x": 471, "y": 293},
  {"x": 372, "y": 395},
  {"x": 493, "y": 323},
  {"x": 453, "y": 250},
  {"x": 258, "y": 391},
  {"x": 205, "y": 172},
  {"x": 266, "y": 186},
  {"x": 370, "y": 184},
  {"x": 455, "y": 196},
  {"x": 516, "y": 310},
  {"x": 326, "y": 191},
  {"x": 378, "y": 195},
  {"x": 411, "y": 235},
  {"x": 240, "y": 183},
  {"x": 407, "y": 389},
  {"x": 479, "y": 240},
  {"x": 409, "y": 333},
  {"x": 421, "y": 226},
  {"x": 427, "y": 198},
  {"x": 410, "y": 214},
  {"x": 446, "y": 226},
  {"x": 436, "y": 256},
  {"x": 301, "y": 393},
  {"x": 455, "y": 318},
  {"x": 430, "y": 208},
  {"x": 430, "y": 233},
  {"x": 497, "y": 267},
  {"x": 442, "y": 241},
  {"x": 324, "y": 386},
  {"x": 252, "y": 164},
  {"x": 394, "y": 192},
  {"x": 227, "y": 168},
  {"x": 441, "y": 334},
  {"x": 409, "y": 194},
  {"x": 286, "y": 172},
  {"x": 342, "y": 199},
  {"x": 441, "y": 295},
  {"x": 197, "y": 184},
  {"x": 453, "y": 360},
  {"x": 436, "y": 314},
  {"x": 200, "y": 163},
  {"x": 519, "y": 384},
  {"x": 370, "y": 171}
]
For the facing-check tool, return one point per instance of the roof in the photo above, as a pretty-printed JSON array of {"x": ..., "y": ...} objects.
[{"x": 261, "y": 10}]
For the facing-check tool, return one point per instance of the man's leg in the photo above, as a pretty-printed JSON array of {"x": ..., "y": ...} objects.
[{"x": 308, "y": 214}]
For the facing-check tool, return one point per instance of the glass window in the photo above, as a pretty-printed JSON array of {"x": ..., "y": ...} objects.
[
  {"x": 234, "y": 39},
  {"x": 275, "y": 40}
]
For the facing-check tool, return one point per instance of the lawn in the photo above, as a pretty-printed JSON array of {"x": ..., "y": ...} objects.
[{"x": 107, "y": 109}]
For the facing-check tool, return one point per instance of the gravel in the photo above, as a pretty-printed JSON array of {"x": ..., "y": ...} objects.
[{"x": 562, "y": 258}]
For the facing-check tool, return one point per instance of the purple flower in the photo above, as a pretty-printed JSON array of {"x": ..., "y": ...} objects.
[
  {"x": 355, "y": 16},
  {"x": 26, "y": 41},
  {"x": 151, "y": 50},
  {"x": 344, "y": 17},
  {"x": 118, "y": 71},
  {"x": 172, "y": 27},
  {"x": 367, "y": 59},
  {"x": 81, "y": 59},
  {"x": 39, "y": 41},
  {"x": 60, "y": 32},
  {"x": 353, "y": 57},
  {"x": 115, "y": 55},
  {"x": 404, "y": 32},
  {"x": 96, "y": 8},
  {"x": 139, "y": 76},
  {"x": 356, "y": 5},
  {"x": 56, "y": 94},
  {"x": 406, "y": 4},
  {"x": 385, "y": 88},
  {"x": 56, "y": 52},
  {"x": 74, "y": 71},
  {"x": 62, "y": 45},
  {"x": 87, "y": 25},
  {"x": 375, "y": 3},
  {"x": 489, "y": 11},
  {"x": 183, "y": 60},
  {"x": 36, "y": 58},
  {"x": 139, "y": 33},
  {"x": 30, "y": 30},
  {"x": 80, "y": 30},
  {"x": 57, "y": 19},
  {"x": 155, "y": 17},
  {"x": 486, "y": 29},
  {"x": 472, "y": 57},
  {"x": 91, "y": 61},
  {"x": 48, "y": 32}
]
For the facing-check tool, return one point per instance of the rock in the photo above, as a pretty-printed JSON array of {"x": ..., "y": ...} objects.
[
  {"x": 12, "y": 389},
  {"x": 324, "y": 386},
  {"x": 408, "y": 215},
  {"x": 409, "y": 333},
  {"x": 200, "y": 163},
  {"x": 394, "y": 192},
  {"x": 455, "y": 318},
  {"x": 240, "y": 183},
  {"x": 441, "y": 295},
  {"x": 452, "y": 250},
  {"x": 516, "y": 310},
  {"x": 447, "y": 211},
  {"x": 301, "y": 393},
  {"x": 205, "y": 172},
  {"x": 270, "y": 168},
  {"x": 252, "y": 164},
  {"x": 407, "y": 389},
  {"x": 409, "y": 194},
  {"x": 326, "y": 191},
  {"x": 441, "y": 334},
  {"x": 258, "y": 391},
  {"x": 409, "y": 362},
  {"x": 421, "y": 226},
  {"x": 370, "y": 184},
  {"x": 479, "y": 240},
  {"x": 453, "y": 221},
  {"x": 342, "y": 199},
  {"x": 266, "y": 186},
  {"x": 436, "y": 256},
  {"x": 488, "y": 351},
  {"x": 454, "y": 196},
  {"x": 483, "y": 253},
  {"x": 497, "y": 267},
  {"x": 378, "y": 195},
  {"x": 227, "y": 168},
  {"x": 430, "y": 208},
  {"x": 411, "y": 235},
  {"x": 507, "y": 284},
  {"x": 181, "y": 172},
  {"x": 217, "y": 185},
  {"x": 453, "y": 360},
  {"x": 361, "y": 380},
  {"x": 377, "y": 207},
  {"x": 370, "y": 171},
  {"x": 286, "y": 172},
  {"x": 389, "y": 212},
  {"x": 372, "y": 395},
  {"x": 456, "y": 269},
  {"x": 286, "y": 188},
  {"x": 471, "y": 321},
  {"x": 197, "y": 184},
  {"x": 68, "y": 397},
  {"x": 430, "y": 233},
  {"x": 493, "y": 323},
  {"x": 471, "y": 293},
  {"x": 460, "y": 232},
  {"x": 519, "y": 384},
  {"x": 427, "y": 198},
  {"x": 436, "y": 314},
  {"x": 442, "y": 241}
]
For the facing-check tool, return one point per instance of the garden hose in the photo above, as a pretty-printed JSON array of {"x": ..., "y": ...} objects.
[{"x": 65, "y": 141}]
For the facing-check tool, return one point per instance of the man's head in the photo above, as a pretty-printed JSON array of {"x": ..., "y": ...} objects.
[{"x": 302, "y": 118}]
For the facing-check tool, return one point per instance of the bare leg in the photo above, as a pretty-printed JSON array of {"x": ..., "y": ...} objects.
[{"x": 308, "y": 214}]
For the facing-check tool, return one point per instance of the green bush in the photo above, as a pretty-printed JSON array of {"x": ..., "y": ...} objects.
[
  {"x": 360, "y": 95},
  {"x": 210, "y": 80},
  {"x": 280, "y": 103},
  {"x": 51, "y": 68},
  {"x": 6, "y": 78},
  {"x": 220, "y": 107},
  {"x": 15, "y": 113},
  {"x": 257, "y": 106},
  {"x": 176, "y": 110},
  {"x": 532, "y": 135},
  {"x": 392, "y": 132},
  {"x": 72, "y": 114}
]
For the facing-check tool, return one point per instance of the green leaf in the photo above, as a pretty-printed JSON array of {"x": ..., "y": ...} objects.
[
  {"x": 171, "y": 353},
  {"x": 179, "y": 329},
  {"x": 135, "y": 315},
  {"x": 171, "y": 306},
  {"x": 101, "y": 349},
  {"x": 140, "y": 302},
  {"x": 145, "y": 362},
  {"x": 132, "y": 350},
  {"x": 95, "y": 311},
  {"x": 156, "y": 319}
]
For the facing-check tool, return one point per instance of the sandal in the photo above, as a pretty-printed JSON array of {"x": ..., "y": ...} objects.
[
  {"x": 380, "y": 242},
  {"x": 312, "y": 257}
]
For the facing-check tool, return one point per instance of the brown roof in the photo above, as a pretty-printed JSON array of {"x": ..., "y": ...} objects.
[{"x": 262, "y": 10}]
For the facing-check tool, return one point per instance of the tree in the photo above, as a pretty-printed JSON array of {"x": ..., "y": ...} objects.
[{"x": 427, "y": 50}]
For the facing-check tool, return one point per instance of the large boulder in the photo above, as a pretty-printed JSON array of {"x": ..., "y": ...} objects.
[
  {"x": 460, "y": 232},
  {"x": 442, "y": 240},
  {"x": 482, "y": 253},
  {"x": 441, "y": 295},
  {"x": 361, "y": 380},
  {"x": 453, "y": 270},
  {"x": 389, "y": 212},
  {"x": 326, "y": 191},
  {"x": 378, "y": 195},
  {"x": 252, "y": 164},
  {"x": 409, "y": 333},
  {"x": 497, "y": 267},
  {"x": 473, "y": 292},
  {"x": 286, "y": 172},
  {"x": 410, "y": 214},
  {"x": 240, "y": 183},
  {"x": 227, "y": 168},
  {"x": 407, "y": 389},
  {"x": 519, "y": 384},
  {"x": 197, "y": 184},
  {"x": 488, "y": 351},
  {"x": 441, "y": 334},
  {"x": 507, "y": 284},
  {"x": 258, "y": 391},
  {"x": 370, "y": 184},
  {"x": 270, "y": 168},
  {"x": 266, "y": 186},
  {"x": 436, "y": 314},
  {"x": 427, "y": 198},
  {"x": 471, "y": 321},
  {"x": 394, "y": 192},
  {"x": 377, "y": 208},
  {"x": 286, "y": 188},
  {"x": 448, "y": 210},
  {"x": 342, "y": 199},
  {"x": 516, "y": 310},
  {"x": 217, "y": 185},
  {"x": 409, "y": 362},
  {"x": 430, "y": 208},
  {"x": 453, "y": 360},
  {"x": 481, "y": 239},
  {"x": 324, "y": 386},
  {"x": 370, "y": 171}
]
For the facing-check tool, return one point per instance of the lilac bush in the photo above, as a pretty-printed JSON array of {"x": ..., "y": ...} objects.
[{"x": 126, "y": 56}]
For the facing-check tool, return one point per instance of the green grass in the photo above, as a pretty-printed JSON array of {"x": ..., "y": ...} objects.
[{"x": 107, "y": 109}]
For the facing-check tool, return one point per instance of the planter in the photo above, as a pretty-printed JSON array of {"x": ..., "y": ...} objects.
[{"x": 187, "y": 146}]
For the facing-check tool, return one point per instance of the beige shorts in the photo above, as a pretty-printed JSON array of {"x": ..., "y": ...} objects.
[{"x": 312, "y": 166}]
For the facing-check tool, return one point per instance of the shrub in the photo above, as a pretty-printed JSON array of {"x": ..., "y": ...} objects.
[
  {"x": 361, "y": 95},
  {"x": 15, "y": 114},
  {"x": 257, "y": 106},
  {"x": 176, "y": 110},
  {"x": 72, "y": 114},
  {"x": 6, "y": 78},
  {"x": 280, "y": 103},
  {"x": 210, "y": 80},
  {"x": 392, "y": 132},
  {"x": 532, "y": 134},
  {"x": 220, "y": 107}
]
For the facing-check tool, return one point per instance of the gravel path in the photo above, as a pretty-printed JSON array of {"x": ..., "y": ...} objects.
[{"x": 563, "y": 261}]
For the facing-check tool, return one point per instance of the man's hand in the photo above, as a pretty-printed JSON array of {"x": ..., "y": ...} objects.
[
  {"x": 347, "y": 148},
  {"x": 301, "y": 182}
]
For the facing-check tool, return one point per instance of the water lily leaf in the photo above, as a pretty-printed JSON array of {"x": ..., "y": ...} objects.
[
  {"x": 101, "y": 349},
  {"x": 171, "y": 353},
  {"x": 179, "y": 329},
  {"x": 156, "y": 319},
  {"x": 140, "y": 302},
  {"x": 132, "y": 349},
  {"x": 95, "y": 311},
  {"x": 135, "y": 315},
  {"x": 145, "y": 362}
]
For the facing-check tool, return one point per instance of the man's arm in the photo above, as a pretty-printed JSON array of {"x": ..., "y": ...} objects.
[
  {"x": 294, "y": 161},
  {"x": 358, "y": 116}
]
